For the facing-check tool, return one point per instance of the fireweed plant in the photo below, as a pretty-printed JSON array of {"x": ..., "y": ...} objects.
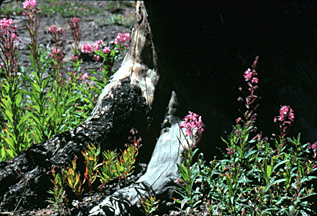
[
  {"x": 189, "y": 173},
  {"x": 37, "y": 102},
  {"x": 12, "y": 117},
  {"x": 256, "y": 177},
  {"x": 114, "y": 166}
]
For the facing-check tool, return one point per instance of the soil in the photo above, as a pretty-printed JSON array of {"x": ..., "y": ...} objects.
[{"x": 93, "y": 28}]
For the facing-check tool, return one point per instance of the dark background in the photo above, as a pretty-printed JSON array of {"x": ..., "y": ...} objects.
[{"x": 207, "y": 47}]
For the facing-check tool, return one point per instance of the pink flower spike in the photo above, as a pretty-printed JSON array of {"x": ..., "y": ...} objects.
[
  {"x": 84, "y": 76},
  {"x": 254, "y": 80},
  {"x": 74, "y": 20},
  {"x": 6, "y": 23},
  {"x": 56, "y": 51},
  {"x": 87, "y": 48},
  {"x": 286, "y": 115},
  {"x": 52, "y": 28},
  {"x": 229, "y": 151},
  {"x": 177, "y": 180},
  {"x": 116, "y": 41},
  {"x": 247, "y": 74},
  {"x": 29, "y": 4},
  {"x": 96, "y": 58},
  {"x": 106, "y": 50},
  {"x": 191, "y": 123},
  {"x": 127, "y": 35},
  {"x": 97, "y": 44}
]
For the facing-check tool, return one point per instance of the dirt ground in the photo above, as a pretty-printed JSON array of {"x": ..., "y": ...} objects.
[{"x": 99, "y": 26}]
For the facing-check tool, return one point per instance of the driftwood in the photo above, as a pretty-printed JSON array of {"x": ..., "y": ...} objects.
[{"x": 181, "y": 61}]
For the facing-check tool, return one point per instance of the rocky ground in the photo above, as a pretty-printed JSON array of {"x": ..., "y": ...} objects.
[
  {"x": 116, "y": 18},
  {"x": 99, "y": 26}
]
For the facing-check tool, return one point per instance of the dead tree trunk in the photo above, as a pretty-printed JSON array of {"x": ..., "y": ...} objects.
[{"x": 133, "y": 97}]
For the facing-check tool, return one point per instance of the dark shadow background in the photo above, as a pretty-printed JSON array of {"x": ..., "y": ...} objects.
[{"x": 207, "y": 47}]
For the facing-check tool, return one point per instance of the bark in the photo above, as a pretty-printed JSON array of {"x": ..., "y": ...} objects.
[{"x": 162, "y": 169}]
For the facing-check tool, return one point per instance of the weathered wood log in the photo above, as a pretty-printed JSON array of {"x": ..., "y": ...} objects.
[
  {"x": 162, "y": 169},
  {"x": 125, "y": 102}
]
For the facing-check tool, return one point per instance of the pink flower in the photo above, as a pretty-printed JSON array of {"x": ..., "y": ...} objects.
[
  {"x": 29, "y": 4},
  {"x": 106, "y": 50},
  {"x": 254, "y": 80},
  {"x": 83, "y": 76},
  {"x": 229, "y": 151},
  {"x": 243, "y": 212},
  {"x": 75, "y": 20},
  {"x": 247, "y": 74},
  {"x": 97, "y": 44},
  {"x": 177, "y": 180},
  {"x": 14, "y": 36},
  {"x": 74, "y": 57},
  {"x": 54, "y": 29},
  {"x": 122, "y": 38},
  {"x": 191, "y": 122},
  {"x": 6, "y": 23},
  {"x": 286, "y": 115},
  {"x": 96, "y": 58},
  {"x": 87, "y": 48},
  {"x": 58, "y": 52},
  {"x": 74, "y": 25},
  {"x": 116, "y": 41},
  {"x": 127, "y": 35}
]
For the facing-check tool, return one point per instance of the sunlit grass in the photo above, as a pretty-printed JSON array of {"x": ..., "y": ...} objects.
[{"x": 76, "y": 9}]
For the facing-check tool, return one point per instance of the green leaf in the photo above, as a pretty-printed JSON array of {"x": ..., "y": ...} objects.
[
  {"x": 9, "y": 114},
  {"x": 184, "y": 201},
  {"x": 278, "y": 164},
  {"x": 225, "y": 141},
  {"x": 268, "y": 172},
  {"x": 279, "y": 181},
  {"x": 18, "y": 100}
]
